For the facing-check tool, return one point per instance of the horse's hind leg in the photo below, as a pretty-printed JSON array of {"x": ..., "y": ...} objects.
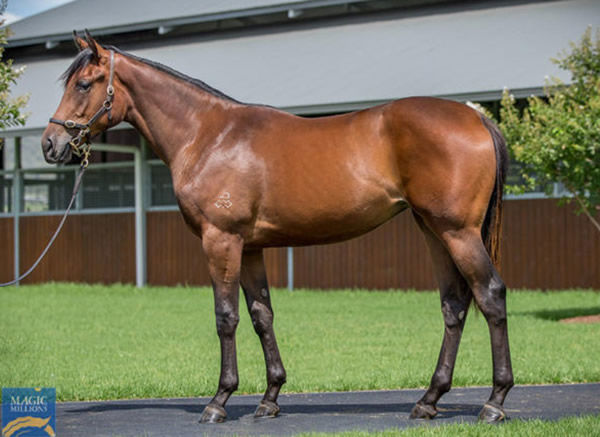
[
  {"x": 470, "y": 256},
  {"x": 256, "y": 290},
  {"x": 455, "y": 298}
]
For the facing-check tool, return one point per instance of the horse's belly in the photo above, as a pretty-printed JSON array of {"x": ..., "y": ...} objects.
[{"x": 324, "y": 223}]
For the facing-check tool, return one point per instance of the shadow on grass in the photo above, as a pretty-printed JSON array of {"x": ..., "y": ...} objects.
[
  {"x": 563, "y": 313},
  {"x": 235, "y": 412}
]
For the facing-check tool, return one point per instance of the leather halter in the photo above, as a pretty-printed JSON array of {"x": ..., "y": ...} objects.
[{"x": 80, "y": 143}]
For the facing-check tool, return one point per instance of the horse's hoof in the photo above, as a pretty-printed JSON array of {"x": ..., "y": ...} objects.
[
  {"x": 266, "y": 409},
  {"x": 213, "y": 414},
  {"x": 492, "y": 413},
  {"x": 423, "y": 411}
]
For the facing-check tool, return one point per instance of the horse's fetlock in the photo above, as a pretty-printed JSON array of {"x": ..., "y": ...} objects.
[
  {"x": 504, "y": 379},
  {"x": 229, "y": 383},
  {"x": 276, "y": 376},
  {"x": 442, "y": 382}
]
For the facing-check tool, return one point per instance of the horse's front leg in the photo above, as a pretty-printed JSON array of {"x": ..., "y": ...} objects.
[
  {"x": 224, "y": 253},
  {"x": 258, "y": 299}
]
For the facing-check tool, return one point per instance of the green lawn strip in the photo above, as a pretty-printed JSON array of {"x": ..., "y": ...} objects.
[
  {"x": 96, "y": 342},
  {"x": 588, "y": 426}
]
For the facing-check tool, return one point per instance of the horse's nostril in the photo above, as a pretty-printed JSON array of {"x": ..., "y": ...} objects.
[{"x": 47, "y": 144}]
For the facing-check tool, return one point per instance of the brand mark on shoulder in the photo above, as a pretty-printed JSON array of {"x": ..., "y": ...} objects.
[{"x": 224, "y": 200}]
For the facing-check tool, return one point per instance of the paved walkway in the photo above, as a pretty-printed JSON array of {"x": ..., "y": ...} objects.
[{"x": 372, "y": 410}]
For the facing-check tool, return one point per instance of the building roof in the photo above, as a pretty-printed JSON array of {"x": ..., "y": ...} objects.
[
  {"x": 350, "y": 63},
  {"x": 112, "y": 16}
]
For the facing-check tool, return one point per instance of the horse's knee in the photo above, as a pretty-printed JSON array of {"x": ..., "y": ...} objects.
[
  {"x": 262, "y": 317},
  {"x": 227, "y": 321},
  {"x": 454, "y": 312}
]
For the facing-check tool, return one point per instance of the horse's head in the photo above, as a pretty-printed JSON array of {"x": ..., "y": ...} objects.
[{"x": 90, "y": 103}]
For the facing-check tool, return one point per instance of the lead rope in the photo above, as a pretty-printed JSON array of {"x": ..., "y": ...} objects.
[{"x": 60, "y": 225}]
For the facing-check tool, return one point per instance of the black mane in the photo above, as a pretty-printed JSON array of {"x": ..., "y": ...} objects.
[{"x": 86, "y": 56}]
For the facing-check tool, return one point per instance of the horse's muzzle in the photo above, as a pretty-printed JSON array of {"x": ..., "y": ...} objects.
[{"x": 55, "y": 149}]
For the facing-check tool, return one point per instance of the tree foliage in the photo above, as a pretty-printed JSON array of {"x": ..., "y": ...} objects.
[
  {"x": 11, "y": 108},
  {"x": 557, "y": 138}
]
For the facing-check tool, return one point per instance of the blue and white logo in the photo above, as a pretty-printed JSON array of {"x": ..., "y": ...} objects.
[{"x": 28, "y": 412}]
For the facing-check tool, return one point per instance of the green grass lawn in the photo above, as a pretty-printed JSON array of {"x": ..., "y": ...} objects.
[
  {"x": 116, "y": 342},
  {"x": 588, "y": 426}
]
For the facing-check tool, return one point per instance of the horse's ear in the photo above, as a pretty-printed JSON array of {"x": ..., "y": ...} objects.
[
  {"x": 92, "y": 44},
  {"x": 79, "y": 42}
]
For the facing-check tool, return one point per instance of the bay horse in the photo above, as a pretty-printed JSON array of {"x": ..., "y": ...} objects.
[{"x": 247, "y": 177}]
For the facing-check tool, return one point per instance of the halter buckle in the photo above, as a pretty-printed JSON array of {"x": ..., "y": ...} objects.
[
  {"x": 110, "y": 90},
  {"x": 70, "y": 124}
]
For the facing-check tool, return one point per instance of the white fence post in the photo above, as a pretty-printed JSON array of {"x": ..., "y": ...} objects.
[
  {"x": 290, "y": 268},
  {"x": 140, "y": 220},
  {"x": 16, "y": 205}
]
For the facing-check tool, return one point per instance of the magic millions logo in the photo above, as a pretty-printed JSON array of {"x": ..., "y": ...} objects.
[{"x": 28, "y": 412}]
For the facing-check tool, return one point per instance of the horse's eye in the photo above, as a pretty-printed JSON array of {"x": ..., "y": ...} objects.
[{"x": 83, "y": 86}]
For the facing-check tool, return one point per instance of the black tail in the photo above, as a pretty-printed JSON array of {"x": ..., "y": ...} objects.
[{"x": 492, "y": 226}]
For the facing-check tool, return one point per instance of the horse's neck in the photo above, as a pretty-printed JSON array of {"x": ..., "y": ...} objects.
[{"x": 170, "y": 112}]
